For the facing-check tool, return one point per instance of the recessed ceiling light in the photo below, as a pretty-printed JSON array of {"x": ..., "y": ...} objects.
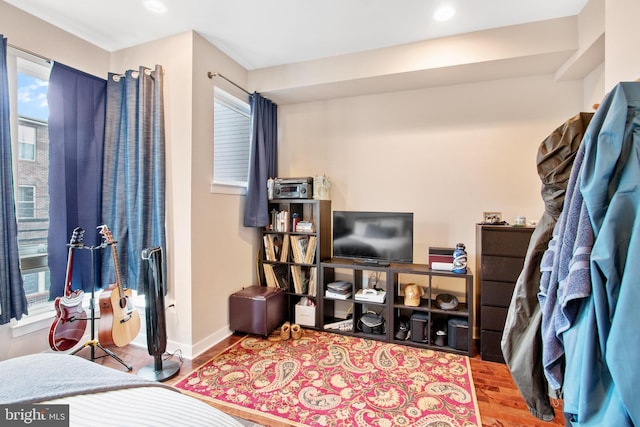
[
  {"x": 155, "y": 6},
  {"x": 444, "y": 13}
]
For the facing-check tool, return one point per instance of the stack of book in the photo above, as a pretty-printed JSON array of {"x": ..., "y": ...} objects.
[
  {"x": 304, "y": 227},
  {"x": 339, "y": 290}
]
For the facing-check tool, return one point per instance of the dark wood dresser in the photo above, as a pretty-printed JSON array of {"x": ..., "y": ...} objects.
[{"x": 500, "y": 253}]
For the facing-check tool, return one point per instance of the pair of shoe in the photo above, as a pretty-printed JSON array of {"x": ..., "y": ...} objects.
[{"x": 287, "y": 330}]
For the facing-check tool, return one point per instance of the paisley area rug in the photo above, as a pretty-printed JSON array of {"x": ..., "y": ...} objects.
[{"x": 326, "y": 379}]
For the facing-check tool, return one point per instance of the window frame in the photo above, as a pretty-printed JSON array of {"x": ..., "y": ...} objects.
[
  {"x": 20, "y": 202},
  {"x": 19, "y": 62},
  {"x": 241, "y": 105}
]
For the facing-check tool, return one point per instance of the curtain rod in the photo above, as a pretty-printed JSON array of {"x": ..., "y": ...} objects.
[
  {"x": 28, "y": 52},
  {"x": 212, "y": 75}
]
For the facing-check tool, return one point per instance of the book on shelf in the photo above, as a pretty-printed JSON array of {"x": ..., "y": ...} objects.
[
  {"x": 304, "y": 227},
  {"x": 280, "y": 220},
  {"x": 300, "y": 279},
  {"x": 336, "y": 295},
  {"x": 276, "y": 276},
  {"x": 311, "y": 250},
  {"x": 276, "y": 247},
  {"x": 303, "y": 249},
  {"x": 313, "y": 290},
  {"x": 284, "y": 252}
]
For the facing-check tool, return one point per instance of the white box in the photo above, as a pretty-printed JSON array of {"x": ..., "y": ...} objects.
[{"x": 305, "y": 315}]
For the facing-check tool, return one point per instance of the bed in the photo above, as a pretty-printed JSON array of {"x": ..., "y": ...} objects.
[{"x": 101, "y": 396}]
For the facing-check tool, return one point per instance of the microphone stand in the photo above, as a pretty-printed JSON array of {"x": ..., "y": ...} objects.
[{"x": 93, "y": 342}]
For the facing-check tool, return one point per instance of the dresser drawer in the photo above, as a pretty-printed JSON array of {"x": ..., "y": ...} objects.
[
  {"x": 493, "y": 318},
  {"x": 501, "y": 269},
  {"x": 496, "y": 293},
  {"x": 490, "y": 346},
  {"x": 507, "y": 241}
]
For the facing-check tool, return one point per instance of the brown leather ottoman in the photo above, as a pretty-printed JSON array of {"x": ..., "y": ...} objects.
[{"x": 257, "y": 310}]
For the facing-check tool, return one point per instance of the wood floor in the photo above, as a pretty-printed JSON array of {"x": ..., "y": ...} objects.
[{"x": 498, "y": 398}]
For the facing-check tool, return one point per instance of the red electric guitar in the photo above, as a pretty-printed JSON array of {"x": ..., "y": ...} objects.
[
  {"x": 119, "y": 320},
  {"x": 71, "y": 319}
]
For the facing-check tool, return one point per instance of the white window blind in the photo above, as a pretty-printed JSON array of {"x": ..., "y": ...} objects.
[{"x": 231, "y": 139}]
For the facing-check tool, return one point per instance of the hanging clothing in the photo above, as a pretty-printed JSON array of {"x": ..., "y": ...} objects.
[
  {"x": 601, "y": 363},
  {"x": 588, "y": 291},
  {"x": 564, "y": 282},
  {"x": 521, "y": 341}
]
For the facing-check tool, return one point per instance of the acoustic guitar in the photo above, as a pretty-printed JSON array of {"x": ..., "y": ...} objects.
[
  {"x": 119, "y": 320},
  {"x": 71, "y": 319}
]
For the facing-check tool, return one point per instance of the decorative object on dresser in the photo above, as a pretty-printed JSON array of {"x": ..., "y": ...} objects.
[{"x": 500, "y": 252}]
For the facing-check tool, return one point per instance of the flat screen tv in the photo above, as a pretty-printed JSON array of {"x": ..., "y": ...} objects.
[{"x": 373, "y": 237}]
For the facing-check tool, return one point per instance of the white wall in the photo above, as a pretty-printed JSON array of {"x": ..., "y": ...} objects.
[
  {"x": 623, "y": 55},
  {"x": 446, "y": 154}
]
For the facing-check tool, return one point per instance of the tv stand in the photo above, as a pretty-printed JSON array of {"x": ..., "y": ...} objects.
[
  {"x": 342, "y": 316},
  {"x": 372, "y": 262}
]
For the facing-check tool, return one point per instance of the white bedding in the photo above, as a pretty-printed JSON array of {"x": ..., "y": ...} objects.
[
  {"x": 101, "y": 396},
  {"x": 142, "y": 407}
]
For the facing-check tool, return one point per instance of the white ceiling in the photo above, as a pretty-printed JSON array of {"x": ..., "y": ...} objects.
[{"x": 261, "y": 33}]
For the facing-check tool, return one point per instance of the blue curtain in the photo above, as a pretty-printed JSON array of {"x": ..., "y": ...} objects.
[
  {"x": 13, "y": 302},
  {"x": 133, "y": 201},
  {"x": 263, "y": 163},
  {"x": 76, "y": 139}
]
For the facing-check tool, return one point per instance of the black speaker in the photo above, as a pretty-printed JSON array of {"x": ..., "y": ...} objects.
[
  {"x": 459, "y": 333},
  {"x": 419, "y": 327}
]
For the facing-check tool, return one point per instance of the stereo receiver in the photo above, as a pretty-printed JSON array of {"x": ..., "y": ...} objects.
[{"x": 293, "y": 188}]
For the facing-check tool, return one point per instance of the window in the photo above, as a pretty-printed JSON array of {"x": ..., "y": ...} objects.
[
  {"x": 26, "y": 202},
  {"x": 26, "y": 142},
  {"x": 231, "y": 140},
  {"x": 28, "y": 83}
]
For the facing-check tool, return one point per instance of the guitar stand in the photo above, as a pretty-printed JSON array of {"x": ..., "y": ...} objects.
[{"x": 93, "y": 342}]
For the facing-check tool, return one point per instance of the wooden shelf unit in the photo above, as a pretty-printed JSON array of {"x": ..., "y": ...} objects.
[
  {"x": 317, "y": 212},
  {"x": 392, "y": 278}
]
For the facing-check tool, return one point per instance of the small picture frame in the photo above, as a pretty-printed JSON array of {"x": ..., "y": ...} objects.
[{"x": 492, "y": 217}]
